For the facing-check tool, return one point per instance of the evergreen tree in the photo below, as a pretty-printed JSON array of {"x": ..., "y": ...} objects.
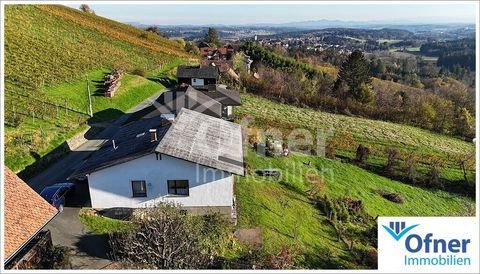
[
  {"x": 212, "y": 37},
  {"x": 355, "y": 73}
]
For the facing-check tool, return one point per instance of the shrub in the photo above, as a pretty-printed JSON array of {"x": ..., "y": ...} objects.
[
  {"x": 139, "y": 72},
  {"x": 254, "y": 136},
  {"x": 411, "y": 168},
  {"x": 284, "y": 259},
  {"x": 166, "y": 237},
  {"x": 367, "y": 256},
  {"x": 192, "y": 48},
  {"x": 434, "y": 175},
  {"x": 391, "y": 196},
  {"x": 331, "y": 150},
  {"x": 392, "y": 158},
  {"x": 362, "y": 154},
  {"x": 57, "y": 257}
]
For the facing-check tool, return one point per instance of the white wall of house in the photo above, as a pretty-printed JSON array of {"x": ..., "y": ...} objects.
[
  {"x": 197, "y": 82},
  {"x": 112, "y": 187}
]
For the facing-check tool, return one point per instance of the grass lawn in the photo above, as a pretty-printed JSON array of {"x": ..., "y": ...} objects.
[
  {"x": 103, "y": 225},
  {"x": 133, "y": 90},
  {"x": 35, "y": 138},
  {"x": 282, "y": 209}
]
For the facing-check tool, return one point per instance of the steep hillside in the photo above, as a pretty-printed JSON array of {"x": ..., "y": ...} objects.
[
  {"x": 424, "y": 146},
  {"x": 290, "y": 209},
  {"x": 363, "y": 130},
  {"x": 50, "y": 44},
  {"x": 288, "y": 216},
  {"x": 50, "y": 52}
]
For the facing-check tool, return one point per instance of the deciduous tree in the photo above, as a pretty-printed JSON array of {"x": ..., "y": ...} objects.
[{"x": 86, "y": 8}]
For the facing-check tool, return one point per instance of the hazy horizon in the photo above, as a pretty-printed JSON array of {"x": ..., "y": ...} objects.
[{"x": 235, "y": 14}]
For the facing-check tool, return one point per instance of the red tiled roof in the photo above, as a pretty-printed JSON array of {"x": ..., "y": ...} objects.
[
  {"x": 25, "y": 213},
  {"x": 206, "y": 51},
  {"x": 222, "y": 65},
  {"x": 222, "y": 51}
]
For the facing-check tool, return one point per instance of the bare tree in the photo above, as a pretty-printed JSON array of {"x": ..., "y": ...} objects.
[
  {"x": 392, "y": 158},
  {"x": 362, "y": 153},
  {"x": 411, "y": 167},
  {"x": 165, "y": 237},
  {"x": 86, "y": 8}
]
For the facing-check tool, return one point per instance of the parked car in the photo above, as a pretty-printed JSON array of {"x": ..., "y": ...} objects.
[{"x": 56, "y": 194}]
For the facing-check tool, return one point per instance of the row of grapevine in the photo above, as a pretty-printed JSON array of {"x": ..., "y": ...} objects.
[{"x": 41, "y": 55}]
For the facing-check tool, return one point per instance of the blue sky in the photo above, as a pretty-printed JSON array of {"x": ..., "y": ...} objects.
[{"x": 245, "y": 14}]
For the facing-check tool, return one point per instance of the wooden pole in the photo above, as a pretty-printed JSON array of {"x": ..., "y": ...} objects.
[{"x": 90, "y": 111}]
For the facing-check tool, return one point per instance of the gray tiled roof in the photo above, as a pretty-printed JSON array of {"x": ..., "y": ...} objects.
[
  {"x": 132, "y": 141},
  {"x": 192, "y": 136},
  {"x": 201, "y": 102},
  {"x": 197, "y": 72},
  {"x": 173, "y": 101},
  {"x": 223, "y": 95},
  {"x": 205, "y": 140}
]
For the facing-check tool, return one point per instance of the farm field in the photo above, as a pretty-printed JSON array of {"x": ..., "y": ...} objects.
[
  {"x": 378, "y": 135},
  {"x": 388, "y": 41},
  {"x": 372, "y": 132},
  {"x": 46, "y": 67}
]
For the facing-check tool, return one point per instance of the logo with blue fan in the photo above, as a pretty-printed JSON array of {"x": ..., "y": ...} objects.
[{"x": 397, "y": 229}]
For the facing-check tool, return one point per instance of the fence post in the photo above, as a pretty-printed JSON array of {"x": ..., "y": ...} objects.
[{"x": 90, "y": 111}]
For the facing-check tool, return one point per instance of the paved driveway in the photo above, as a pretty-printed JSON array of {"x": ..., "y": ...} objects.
[{"x": 87, "y": 250}]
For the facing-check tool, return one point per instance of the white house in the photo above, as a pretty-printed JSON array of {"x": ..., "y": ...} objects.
[{"x": 190, "y": 161}]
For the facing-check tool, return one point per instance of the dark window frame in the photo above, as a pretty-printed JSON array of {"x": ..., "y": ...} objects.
[
  {"x": 142, "y": 194},
  {"x": 175, "y": 188}
]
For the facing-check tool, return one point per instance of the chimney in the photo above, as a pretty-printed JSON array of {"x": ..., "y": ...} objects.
[
  {"x": 114, "y": 146},
  {"x": 153, "y": 135}
]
